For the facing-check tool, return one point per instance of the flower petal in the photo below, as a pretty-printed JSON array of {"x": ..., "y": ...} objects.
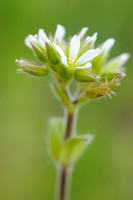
[
  {"x": 62, "y": 54},
  {"x": 42, "y": 37},
  {"x": 122, "y": 59},
  {"x": 87, "y": 56},
  {"x": 91, "y": 40},
  {"x": 107, "y": 45},
  {"x": 86, "y": 66},
  {"x": 83, "y": 32},
  {"x": 27, "y": 42},
  {"x": 31, "y": 40},
  {"x": 117, "y": 62},
  {"x": 59, "y": 33},
  {"x": 74, "y": 47}
]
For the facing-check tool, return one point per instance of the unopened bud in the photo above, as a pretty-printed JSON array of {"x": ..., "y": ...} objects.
[
  {"x": 100, "y": 90},
  {"x": 33, "y": 68},
  {"x": 38, "y": 49},
  {"x": 52, "y": 54},
  {"x": 83, "y": 75}
]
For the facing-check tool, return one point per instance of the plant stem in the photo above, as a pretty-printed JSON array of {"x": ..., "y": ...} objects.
[
  {"x": 64, "y": 174},
  {"x": 69, "y": 125},
  {"x": 63, "y": 183}
]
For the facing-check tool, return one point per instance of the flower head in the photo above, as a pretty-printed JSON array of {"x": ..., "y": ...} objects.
[{"x": 76, "y": 58}]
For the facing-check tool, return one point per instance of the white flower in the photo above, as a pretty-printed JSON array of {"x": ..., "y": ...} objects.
[
  {"x": 73, "y": 61},
  {"x": 41, "y": 38}
]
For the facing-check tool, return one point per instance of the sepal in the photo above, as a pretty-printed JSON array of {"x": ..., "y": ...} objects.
[
  {"x": 83, "y": 75},
  {"x": 52, "y": 54}
]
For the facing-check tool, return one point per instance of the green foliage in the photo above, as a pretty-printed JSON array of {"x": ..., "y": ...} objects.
[
  {"x": 71, "y": 150},
  {"x": 66, "y": 152},
  {"x": 56, "y": 136}
]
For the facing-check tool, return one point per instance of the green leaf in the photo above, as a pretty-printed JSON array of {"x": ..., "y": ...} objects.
[
  {"x": 72, "y": 149},
  {"x": 56, "y": 136}
]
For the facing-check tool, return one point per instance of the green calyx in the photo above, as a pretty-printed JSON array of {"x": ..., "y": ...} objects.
[{"x": 52, "y": 54}]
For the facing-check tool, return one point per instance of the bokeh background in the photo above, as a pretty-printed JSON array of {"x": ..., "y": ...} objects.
[{"x": 26, "y": 172}]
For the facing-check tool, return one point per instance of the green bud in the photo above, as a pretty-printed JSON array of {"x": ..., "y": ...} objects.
[
  {"x": 52, "y": 54},
  {"x": 33, "y": 68},
  {"x": 40, "y": 52},
  {"x": 83, "y": 75},
  {"x": 100, "y": 90}
]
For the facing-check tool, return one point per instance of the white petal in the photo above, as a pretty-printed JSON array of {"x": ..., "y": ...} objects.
[
  {"x": 74, "y": 47},
  {"x": 120, "y": 60},
  {"x": 87, "y": 56},
  {"x": 83, "y": 32},
  {"x": 91, "y": 40},
  {"x": 62, "y": 54},
  {"x": 27, "y": 42},
  {"x": 31, "y": 40},
  {"x": 42, "y": 37},
  {"x": 60, "y": 33},
  {"x": 123, "y": 58},
  {"x": 107, "y": 45},
  {"x": 86, "y": 66}
]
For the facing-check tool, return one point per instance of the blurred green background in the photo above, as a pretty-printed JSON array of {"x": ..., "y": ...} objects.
[{"x": 105, "y": 172}]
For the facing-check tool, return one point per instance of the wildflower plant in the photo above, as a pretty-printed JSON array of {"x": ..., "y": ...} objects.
[{"x": 76, "y": 60}]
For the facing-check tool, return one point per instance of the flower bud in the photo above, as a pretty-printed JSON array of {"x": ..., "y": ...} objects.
[
  {"x": 99, "y": 90},
  {"x": 83, "y": 75},
  {"x": 33, "y": 68},
  {"x": 40, "y": 52},
  {"x": 52, "y": 54}
]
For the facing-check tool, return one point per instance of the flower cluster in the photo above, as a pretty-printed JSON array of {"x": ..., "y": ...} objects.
[{"x": 77, "y": 58}]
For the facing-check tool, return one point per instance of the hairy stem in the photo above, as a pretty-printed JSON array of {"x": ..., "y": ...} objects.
[{"x": 64, "y": 174}]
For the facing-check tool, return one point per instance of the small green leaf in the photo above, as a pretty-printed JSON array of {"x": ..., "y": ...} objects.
[
  {"x": 72, "y": 149},
  {"x": 56, "y": 136}
]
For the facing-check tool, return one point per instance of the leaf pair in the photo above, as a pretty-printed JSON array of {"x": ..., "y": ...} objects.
[{"x": 66, "y": 152}]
